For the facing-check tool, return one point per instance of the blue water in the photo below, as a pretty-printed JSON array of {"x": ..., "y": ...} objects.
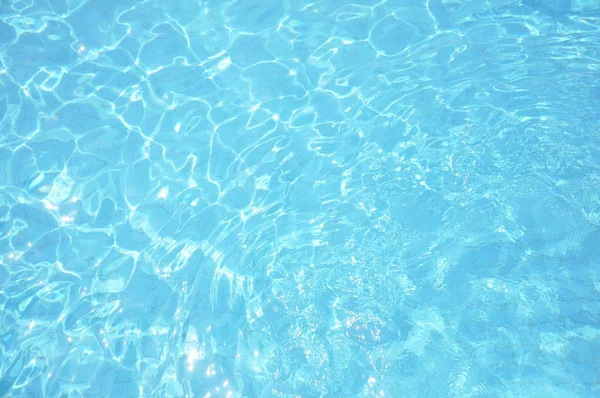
[{"x": 266, "y": 198}]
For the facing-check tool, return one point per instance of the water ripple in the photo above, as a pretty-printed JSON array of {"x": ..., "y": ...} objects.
[{"x": 299, "y": 199}]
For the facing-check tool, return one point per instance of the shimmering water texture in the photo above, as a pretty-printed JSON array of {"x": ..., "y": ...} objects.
[{"x": 266, "y": 198}]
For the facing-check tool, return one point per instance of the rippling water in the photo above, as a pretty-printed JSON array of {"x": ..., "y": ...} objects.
[{"x": 263, "y": 198}]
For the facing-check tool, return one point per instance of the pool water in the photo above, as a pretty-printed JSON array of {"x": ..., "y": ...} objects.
[{"x": 263, "y": 198}]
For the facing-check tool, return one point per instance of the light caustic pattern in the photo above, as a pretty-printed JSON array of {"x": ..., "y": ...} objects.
[{"x": 299, "y": 199}]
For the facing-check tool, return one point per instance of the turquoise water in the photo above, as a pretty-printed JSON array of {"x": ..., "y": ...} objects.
[{"x": 300, "y": 199}]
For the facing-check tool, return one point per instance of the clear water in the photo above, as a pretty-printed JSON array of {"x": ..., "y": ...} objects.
[{"x": 270, "y": 198}]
